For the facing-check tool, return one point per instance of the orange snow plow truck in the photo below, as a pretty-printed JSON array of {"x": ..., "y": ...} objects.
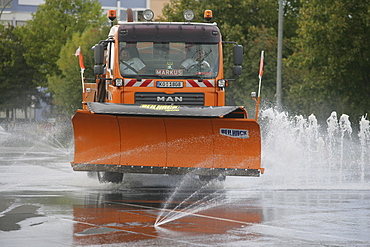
[{"x": 157, "y": 105}]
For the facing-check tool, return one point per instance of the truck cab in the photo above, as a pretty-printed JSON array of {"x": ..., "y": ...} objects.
[{"x": 163, "y": 63}]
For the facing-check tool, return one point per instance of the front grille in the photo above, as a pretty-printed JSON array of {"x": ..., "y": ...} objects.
[{"x": 170, "y": 99}]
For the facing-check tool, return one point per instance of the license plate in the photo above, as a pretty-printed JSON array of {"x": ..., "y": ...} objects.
[{"x": 170, "y": 84}]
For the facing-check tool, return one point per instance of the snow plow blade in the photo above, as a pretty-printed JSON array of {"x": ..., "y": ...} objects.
[{"x": 166, "y": 139}]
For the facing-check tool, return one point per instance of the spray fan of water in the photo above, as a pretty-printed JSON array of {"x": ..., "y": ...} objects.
[
  {"x": 298, "y": 154},
  {"x": 205, "y": 197}
]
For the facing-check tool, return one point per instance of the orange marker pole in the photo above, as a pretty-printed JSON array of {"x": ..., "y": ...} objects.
[
  {"x": 78, "y": 54},
  {"x": 259, "y": 85}
]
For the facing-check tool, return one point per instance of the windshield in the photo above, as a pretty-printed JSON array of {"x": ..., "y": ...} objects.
[{"x": 168, "y": 60}]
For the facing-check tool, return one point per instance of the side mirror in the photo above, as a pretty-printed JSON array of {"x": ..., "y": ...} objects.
[
  {"x": 99, "y": 54},
  {"x": 98, "y": 69},
  {"x": 238, "y": 54},
  {"x": 237, "y": 70},
  {"x": 99, "y": 59}
]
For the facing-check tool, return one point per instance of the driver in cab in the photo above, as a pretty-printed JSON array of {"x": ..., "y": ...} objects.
[
  {"x": 196, "y": 61},
  {"x": 130, "y": 65}
]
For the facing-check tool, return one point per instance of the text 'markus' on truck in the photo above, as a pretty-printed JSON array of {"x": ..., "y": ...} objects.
[{"x": 157, "y": 105}]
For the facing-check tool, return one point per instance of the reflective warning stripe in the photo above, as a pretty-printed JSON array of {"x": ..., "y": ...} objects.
[
  {"x": 196, "y": 83},
  {"x": 135, "y": 83},
  {"x": 147, "y": 83},
  {"x": 129, "y": 83},
  {"x": 150, "y": 83},
  {"x": 209, "y": 83},
  {"x": 191, "y": 83}
]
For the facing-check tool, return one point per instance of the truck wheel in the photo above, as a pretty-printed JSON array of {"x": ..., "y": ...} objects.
[{"x": 110, "y": 177}]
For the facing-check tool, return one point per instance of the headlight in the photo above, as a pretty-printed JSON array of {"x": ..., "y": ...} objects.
[
  {"x": 148, "y": 14},
  {"x": 188, "y": 15},
  {"x": 221, "y": 83},
  {"x": 118, "y": 82}
]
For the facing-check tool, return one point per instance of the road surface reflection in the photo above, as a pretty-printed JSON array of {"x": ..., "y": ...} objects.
[
  {"x": 129, "y": 216},
  {"x": 44, "y": 203}
]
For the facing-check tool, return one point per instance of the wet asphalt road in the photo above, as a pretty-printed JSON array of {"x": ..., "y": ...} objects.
[{"x": 44, "y": 203}]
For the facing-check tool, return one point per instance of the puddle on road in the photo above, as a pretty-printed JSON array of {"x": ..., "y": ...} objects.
[{"x": 10, "y": 219}]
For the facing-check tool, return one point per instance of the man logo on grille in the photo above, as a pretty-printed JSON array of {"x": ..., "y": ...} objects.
[{"x": 169, "y": 99}]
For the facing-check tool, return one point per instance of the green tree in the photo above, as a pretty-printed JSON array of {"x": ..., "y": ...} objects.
[
  {"x": 67, "y": 87},
  {"x": 52, "y": 26},
  {"x": 333, "y": 50},
  {"x": 252, "y": 24},
  {"x": 17, "y": 87}
]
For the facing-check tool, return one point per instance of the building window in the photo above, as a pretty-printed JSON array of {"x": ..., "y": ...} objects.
[{"x": 5, "y": 3}]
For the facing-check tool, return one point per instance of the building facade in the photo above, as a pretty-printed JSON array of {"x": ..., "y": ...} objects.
[{"x": 18, "y": 12}]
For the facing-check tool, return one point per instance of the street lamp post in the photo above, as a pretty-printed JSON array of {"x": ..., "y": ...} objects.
[{"x": 279, "y": 55}]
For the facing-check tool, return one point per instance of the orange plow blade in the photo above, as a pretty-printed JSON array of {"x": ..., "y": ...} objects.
[{"x": 166, "y": 140}]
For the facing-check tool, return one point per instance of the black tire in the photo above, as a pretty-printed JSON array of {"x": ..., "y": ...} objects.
[{"x": 110, "y": 177}]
